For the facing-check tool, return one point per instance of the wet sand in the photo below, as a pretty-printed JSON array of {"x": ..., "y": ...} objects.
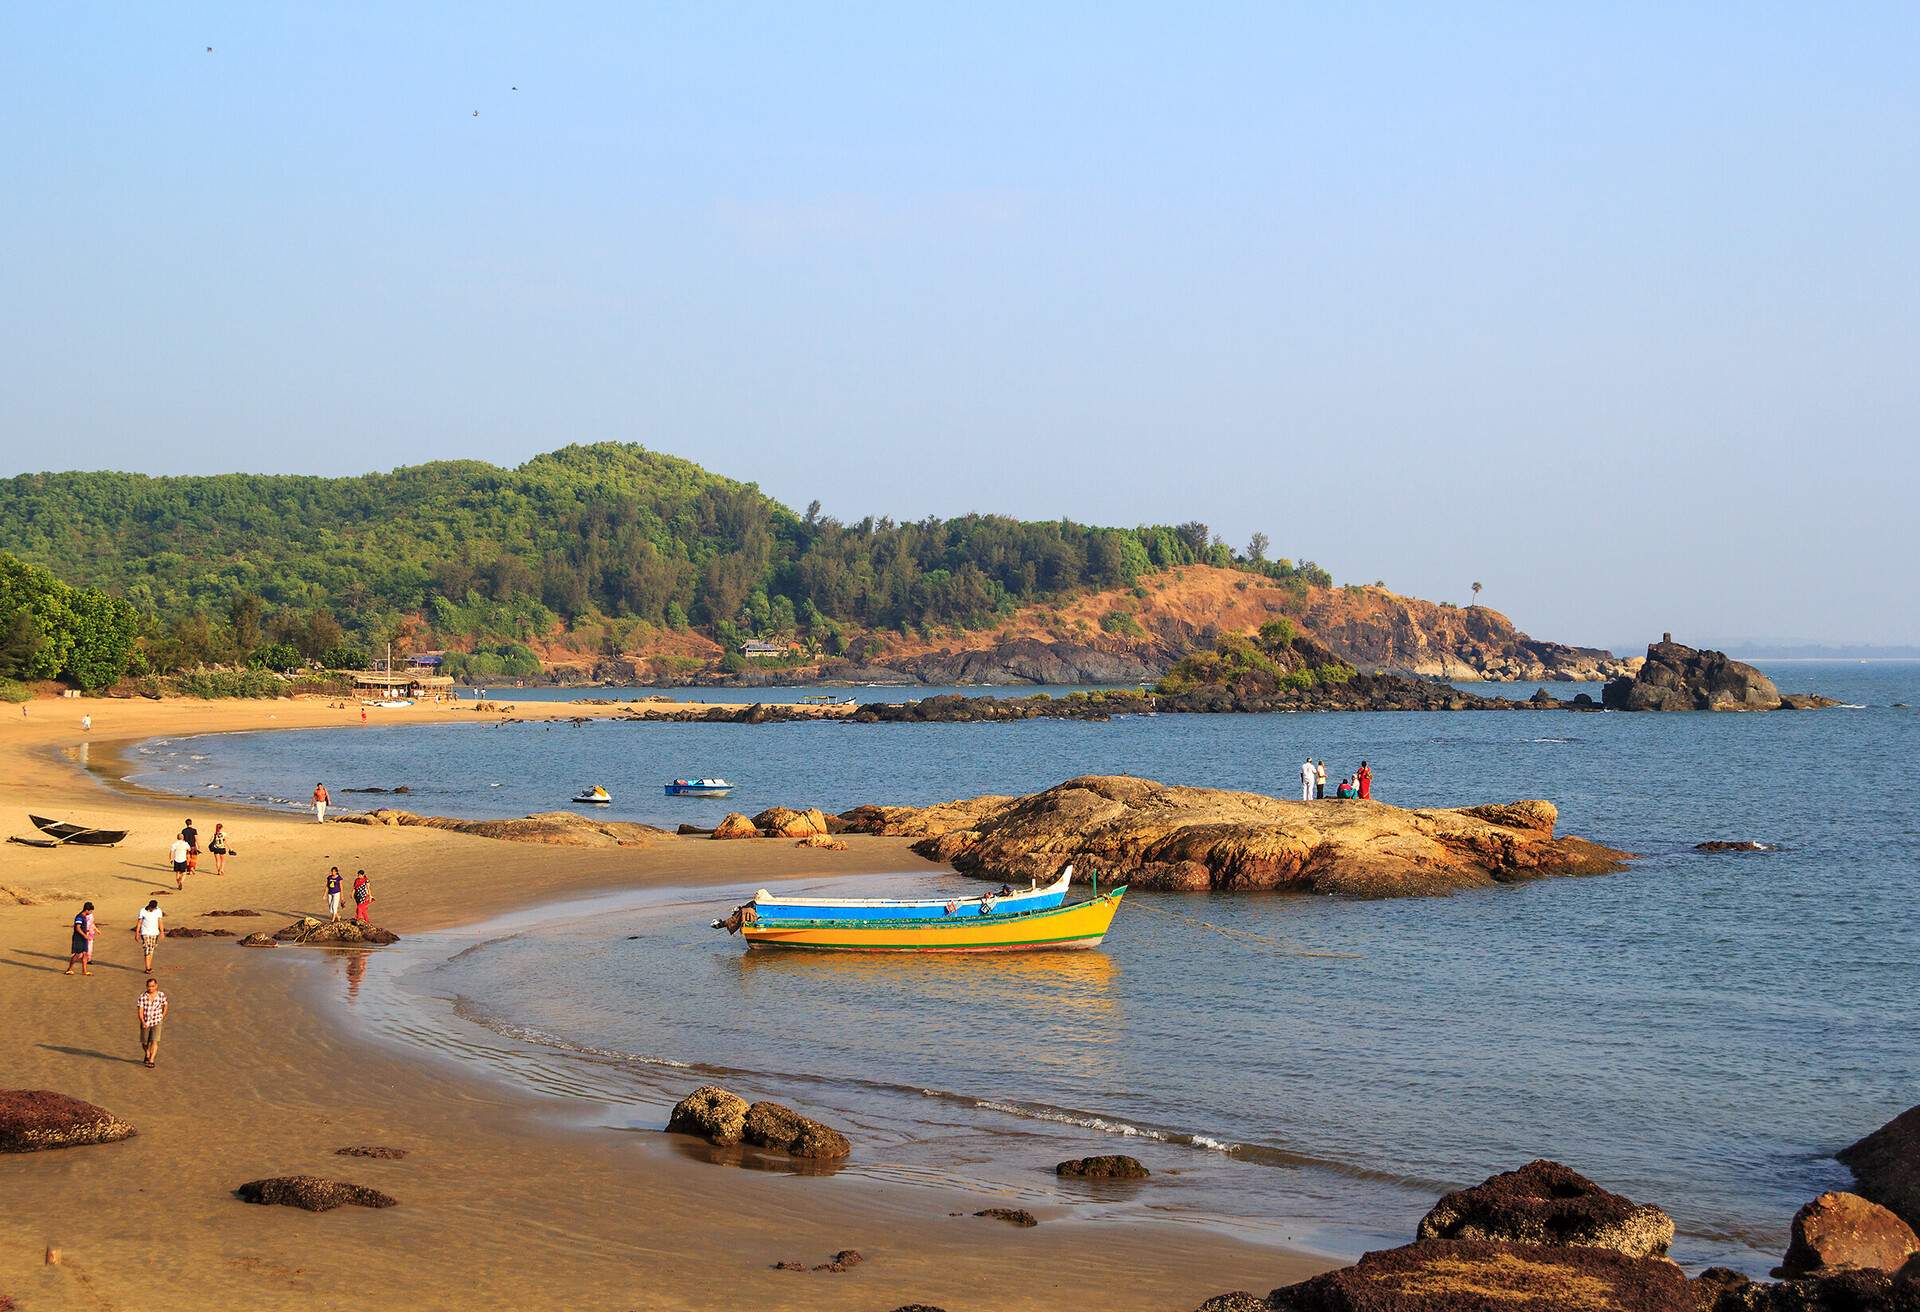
[{"x": 504, "y": 1201}]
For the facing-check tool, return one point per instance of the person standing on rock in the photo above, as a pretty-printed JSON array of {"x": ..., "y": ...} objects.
[
  {"x": 1320, "y": 780},
  {"x": 362, "y": 899},
  {"x": 320, "y": 800},
  {"x": 153, "y": 1009},
  {"x": 1363, "y": 781},
  {"x": 1307, "y": 776},
  {"x": 333, "y": 893}
]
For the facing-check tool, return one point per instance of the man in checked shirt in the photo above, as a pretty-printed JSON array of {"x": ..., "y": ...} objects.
[{"x": 153, "y": 1010}]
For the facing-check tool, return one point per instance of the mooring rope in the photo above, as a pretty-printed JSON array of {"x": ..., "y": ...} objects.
[{"x": 1279, "y": 944}]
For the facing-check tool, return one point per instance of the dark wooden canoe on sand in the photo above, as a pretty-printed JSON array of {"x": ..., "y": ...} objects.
[{"x": 82, "y": 835}]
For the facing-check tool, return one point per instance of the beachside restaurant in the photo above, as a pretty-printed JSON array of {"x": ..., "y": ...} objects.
[{"x": 408, "y": 683}]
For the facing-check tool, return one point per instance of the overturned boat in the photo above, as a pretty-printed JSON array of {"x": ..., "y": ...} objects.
[{"x": 79, "y": 835}]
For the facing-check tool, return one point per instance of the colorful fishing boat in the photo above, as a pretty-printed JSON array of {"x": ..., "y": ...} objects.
[
  {"x": 1007, "y": 902},
  {"x": 699, "y": 788},
  {"x": 1082, "y": 925}
]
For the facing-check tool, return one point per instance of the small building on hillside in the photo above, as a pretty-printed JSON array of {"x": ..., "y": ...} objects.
[{"x": 760, "y": 649}]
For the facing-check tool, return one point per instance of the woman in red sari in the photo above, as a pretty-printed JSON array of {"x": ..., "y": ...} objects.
[{"x": 1365, "y": 779}]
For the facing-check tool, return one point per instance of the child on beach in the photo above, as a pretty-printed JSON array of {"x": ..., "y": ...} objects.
[
  {"x": 147, "y": 926},
  {"x": 333, "y": 893},
  {"x": 80, "y": 951},
  {"x": 218, "y": 846},
  {"x": 362, "y": 898}
]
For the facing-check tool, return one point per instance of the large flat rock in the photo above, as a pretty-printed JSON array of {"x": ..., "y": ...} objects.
[{"x": 1161, "y": 836}]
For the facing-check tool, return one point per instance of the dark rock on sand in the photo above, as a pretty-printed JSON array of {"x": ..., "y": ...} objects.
[
  {"x": 1019, "y": 1216},
  {"x": 191, "y": 931},
  {"x": 1886, "y": 1165},
  {"x": 1841, "y": 1232},
  {"x": 33, "y": 1119},
  {"x": 711, "y": 1113},
  {"x": 918, "y": 1307},
  {"x": 372, "y": 1150},
  {"x": 1731, "y": 845},
  {"x": 769, "y": 1125},
  {"x": 1470, "y": 1275},
  {"x": 240, "y": 912},
  {"x": 689, "y": 831},
  {"x": 1546, "y": 1203},
  {"x": 844, "y": 1260},
  {"x": 311, "y": 1193},
  {"x": 259, "y": 941},
  {"x": 1681, "y": 678},
  {"x": 1113, "y": 1166}
]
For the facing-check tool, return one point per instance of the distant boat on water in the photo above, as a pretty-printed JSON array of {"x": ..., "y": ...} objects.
[
  {"x": 594, "y": 796},
  {"x": 699, "y": 788},
  {"x": 1080, "y": 926}
]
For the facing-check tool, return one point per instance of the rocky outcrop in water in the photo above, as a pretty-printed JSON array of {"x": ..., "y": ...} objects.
[
  {"x": 1108, "y": 1166},
  {"x": 36, "y": 1119},
  {"x": 726, "y": 1119},
  {"x": 1681, "y": 678},
  {"x": 1546, "y": 1203},
  {"x": 1886, "y": 1165},
  {"x": 1158, "y": 836},
  {"x": 334, "y": 933},
  {"x": 311, "y": 1193}
]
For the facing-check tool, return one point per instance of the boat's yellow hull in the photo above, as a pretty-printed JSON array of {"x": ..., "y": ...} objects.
[{"x": 1082, "y": 925}]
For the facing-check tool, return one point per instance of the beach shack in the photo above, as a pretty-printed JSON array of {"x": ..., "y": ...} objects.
[
  {"x": 391, "y": 684},
  {"x": 762, "y": 649}
]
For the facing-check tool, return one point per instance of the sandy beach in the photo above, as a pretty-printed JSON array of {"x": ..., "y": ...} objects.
[{"x": 502, "y": 1203}]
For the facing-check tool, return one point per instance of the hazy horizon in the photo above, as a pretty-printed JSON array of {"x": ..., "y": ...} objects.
[{"x": 1611, "y": 312}]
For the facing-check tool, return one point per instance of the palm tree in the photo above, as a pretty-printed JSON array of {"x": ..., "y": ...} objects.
[{"x": 1476, "y": 594}]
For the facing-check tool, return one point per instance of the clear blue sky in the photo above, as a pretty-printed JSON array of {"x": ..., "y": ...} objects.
[{"x": 1612, "y": 308}]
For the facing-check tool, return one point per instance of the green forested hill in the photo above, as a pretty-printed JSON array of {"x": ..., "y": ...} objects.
[{"x": 217, "y": 565}]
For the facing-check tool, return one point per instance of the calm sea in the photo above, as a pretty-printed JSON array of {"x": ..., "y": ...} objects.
[{"x": 1701, "y": 1032}]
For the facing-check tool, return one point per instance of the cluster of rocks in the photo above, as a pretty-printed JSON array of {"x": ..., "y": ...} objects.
[
  {"x": 844, "y": 1260},
  {"x": 563, "y": 828},
  {"x": 726, "y": 1120},
  {"x": 1158, "y": 836},
  {"x": 1545, "y": 1237},
  {"x": 332, "y": 933},
  {"x": 811, "y": 827},
  {"x": 1680, "y": 678}
]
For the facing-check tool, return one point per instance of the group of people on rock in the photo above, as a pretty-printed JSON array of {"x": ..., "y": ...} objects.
[{"x": 1313, "y": 782}]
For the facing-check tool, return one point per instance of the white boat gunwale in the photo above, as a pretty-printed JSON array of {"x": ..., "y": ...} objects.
[{"x": 1059, "y": 885}]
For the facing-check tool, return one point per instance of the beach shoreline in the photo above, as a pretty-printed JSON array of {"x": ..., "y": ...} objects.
[{"x": 503, "y": 1201}]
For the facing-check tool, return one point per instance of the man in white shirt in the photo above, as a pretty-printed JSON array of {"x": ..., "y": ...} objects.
[
  {"x": 1307, "y": 775},
  {"x": 147, "y": 926},
  {"x": 179, "y": 853}
]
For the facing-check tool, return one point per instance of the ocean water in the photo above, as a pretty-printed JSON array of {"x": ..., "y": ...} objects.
[{"x": 1701, "y": 1032}]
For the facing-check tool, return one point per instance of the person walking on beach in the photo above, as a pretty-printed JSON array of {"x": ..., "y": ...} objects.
[
  {"x": 333, "y": 893},
  {"x": 320, "y": 800},
  {"x": 153, "y": 1009},
  {"x": 80, "y": 951},
  {"x": 1307, "y": 776},
  {"x": 178, "y": 854},
  {"x": 362, "y": 899},
  {"x": 147, "y": 926},
  {"x": 86, "y": 724},
  {"x": 192, "y": 835},
  {"x": 1363, "y": 781},
  {"x": 1320, "y": 780},
  {"x": 218, "y": 846}
]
